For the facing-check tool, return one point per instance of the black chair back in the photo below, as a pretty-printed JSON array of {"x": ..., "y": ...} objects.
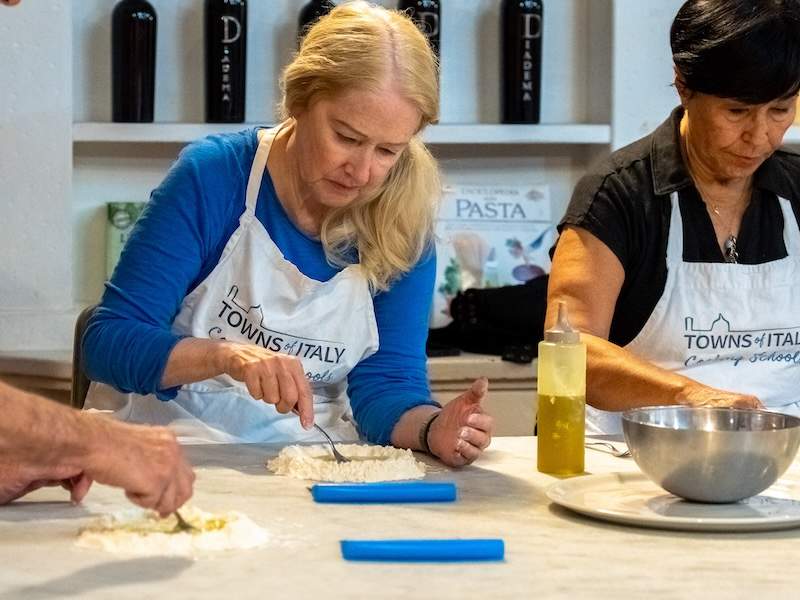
[{"x": 80, "y": 382}]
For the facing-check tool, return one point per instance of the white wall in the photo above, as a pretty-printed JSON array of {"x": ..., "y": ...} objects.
[
  {"x": 642, "y": 62},
  {"x": 35, "y": 175}
]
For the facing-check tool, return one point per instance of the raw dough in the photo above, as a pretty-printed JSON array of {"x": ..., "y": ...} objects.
[
  {"x": 367, "y": 463},
  {"x": 142, "y": 533}
]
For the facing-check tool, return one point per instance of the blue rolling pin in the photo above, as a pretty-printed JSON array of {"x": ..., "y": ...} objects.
[
  {"x": 457, "y": 550},
  {"x": 359, "y": 493}
]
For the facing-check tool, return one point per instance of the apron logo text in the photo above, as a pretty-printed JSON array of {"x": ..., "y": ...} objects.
[
  {"x": 256, "y": 333},
  {"x": 720, "y": 336}
]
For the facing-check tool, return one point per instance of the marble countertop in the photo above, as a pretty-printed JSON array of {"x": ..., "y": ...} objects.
[{"x": 550, "y": 552}]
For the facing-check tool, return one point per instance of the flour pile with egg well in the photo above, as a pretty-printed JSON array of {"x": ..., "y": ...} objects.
[{"x": 367, "y": 463}]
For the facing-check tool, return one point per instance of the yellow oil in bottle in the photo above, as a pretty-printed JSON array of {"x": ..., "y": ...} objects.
[
  {"x": 561, "y": 411},
  {"x": 561, "y": 434}
]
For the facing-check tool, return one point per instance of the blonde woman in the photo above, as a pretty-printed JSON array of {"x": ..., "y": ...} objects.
[{"x": 290, "y": 270}]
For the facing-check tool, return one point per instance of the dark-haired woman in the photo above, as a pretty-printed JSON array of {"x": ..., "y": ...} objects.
[{"x": 679, "y": 257}]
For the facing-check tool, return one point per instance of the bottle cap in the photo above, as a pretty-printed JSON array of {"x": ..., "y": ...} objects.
[{"x": 562, "y": 332}]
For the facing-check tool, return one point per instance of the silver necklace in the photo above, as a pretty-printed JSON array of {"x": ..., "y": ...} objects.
[{"x": 729, "y": 251}]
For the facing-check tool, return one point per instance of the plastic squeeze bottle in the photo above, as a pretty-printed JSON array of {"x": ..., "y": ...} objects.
[{"x": 562, "y": 398}]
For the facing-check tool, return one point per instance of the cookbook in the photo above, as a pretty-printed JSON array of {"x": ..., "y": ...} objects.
[{"x": 489, "y": 236}]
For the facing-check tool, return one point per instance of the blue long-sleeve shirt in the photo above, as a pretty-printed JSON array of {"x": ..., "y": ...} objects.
[{"x": 176, "y": 244}]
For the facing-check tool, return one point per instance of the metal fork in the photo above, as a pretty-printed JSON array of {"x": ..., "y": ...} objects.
[
  {"x": 183, "y": 524},
  {"x": 614, "y": 450},
  {"x": 340, "y": 458}
]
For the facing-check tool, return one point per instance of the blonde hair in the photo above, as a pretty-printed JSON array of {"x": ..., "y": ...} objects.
[{"x": 360, "y": 46}]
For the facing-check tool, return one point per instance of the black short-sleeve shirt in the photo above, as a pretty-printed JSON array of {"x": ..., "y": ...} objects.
[{"x": 625, "y": 203}]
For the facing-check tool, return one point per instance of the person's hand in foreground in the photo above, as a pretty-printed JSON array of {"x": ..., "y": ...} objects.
[
  {"x": 43, "y": 443},
  {"x": 147, "y": 462}
]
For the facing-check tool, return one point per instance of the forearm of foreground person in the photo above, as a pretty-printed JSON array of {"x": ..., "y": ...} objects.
[{"x": 35, "y": 430}]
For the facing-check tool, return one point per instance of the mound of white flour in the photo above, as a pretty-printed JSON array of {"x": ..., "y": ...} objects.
[
  {"x": 367, "y": 463},
  {"x": 142, "y": 532}
]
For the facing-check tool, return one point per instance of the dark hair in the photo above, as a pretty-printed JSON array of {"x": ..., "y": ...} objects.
[{"x": 748, "y": 50}]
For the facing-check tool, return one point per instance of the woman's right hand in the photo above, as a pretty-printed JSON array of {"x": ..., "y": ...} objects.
[
  {"x": 699, "y": 395},
  {"x": 275, "y": 378}
]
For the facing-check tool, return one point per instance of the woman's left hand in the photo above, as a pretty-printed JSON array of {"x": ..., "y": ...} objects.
[{"x": 462, "y": 431}]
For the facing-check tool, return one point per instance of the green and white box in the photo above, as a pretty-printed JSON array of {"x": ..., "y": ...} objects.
[{"x": 121, "y": 218}]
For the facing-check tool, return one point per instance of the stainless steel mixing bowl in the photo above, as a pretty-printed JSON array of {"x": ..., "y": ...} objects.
[{"x": 711, "y": 454}]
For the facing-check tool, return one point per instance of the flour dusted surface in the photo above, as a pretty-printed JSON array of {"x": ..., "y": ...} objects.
[
  {"x": 367, "y": 463},
  {"x": 141, "y": 532}
]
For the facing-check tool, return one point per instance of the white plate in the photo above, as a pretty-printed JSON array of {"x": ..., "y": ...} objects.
[{"x": 632, "y": 499}]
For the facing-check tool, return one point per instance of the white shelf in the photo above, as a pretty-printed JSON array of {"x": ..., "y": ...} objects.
[
  {"x": 164, "y": 133},
  {"x": 94, "y": 132},
  {"x": 519, "y": 134}
]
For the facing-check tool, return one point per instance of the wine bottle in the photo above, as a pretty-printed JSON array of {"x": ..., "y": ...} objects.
[
  {"x": 226, "y": 60},
  {"x": 133, "y": 61},
  {"x": 309, "y": 15},
  {"x": 427, "y": 15},
  {"x": 522, "y": 60}
]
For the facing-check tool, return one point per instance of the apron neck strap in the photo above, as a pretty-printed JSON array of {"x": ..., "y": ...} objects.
[
  {"x": 675, "y": 239},
  {"x": 265, "y": 139},
  {"x": 791, "y": 231}
]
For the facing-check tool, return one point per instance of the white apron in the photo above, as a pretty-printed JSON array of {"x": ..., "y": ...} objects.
[
  {"x": 254, "y": 295},
  {"x": 730, "y": 326}
]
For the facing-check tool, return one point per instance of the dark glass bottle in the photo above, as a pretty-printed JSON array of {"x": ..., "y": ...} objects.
[
  {"x": 427, "y": 15},
  {"x": 309, "y": 15},
  {"x": 226, "y": 60},
  {"x": 133, "y": 61},
  {"x": 522, "y": 60}
]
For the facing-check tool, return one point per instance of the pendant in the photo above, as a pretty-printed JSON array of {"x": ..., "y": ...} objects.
[{"x": 729, "y": 250}]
